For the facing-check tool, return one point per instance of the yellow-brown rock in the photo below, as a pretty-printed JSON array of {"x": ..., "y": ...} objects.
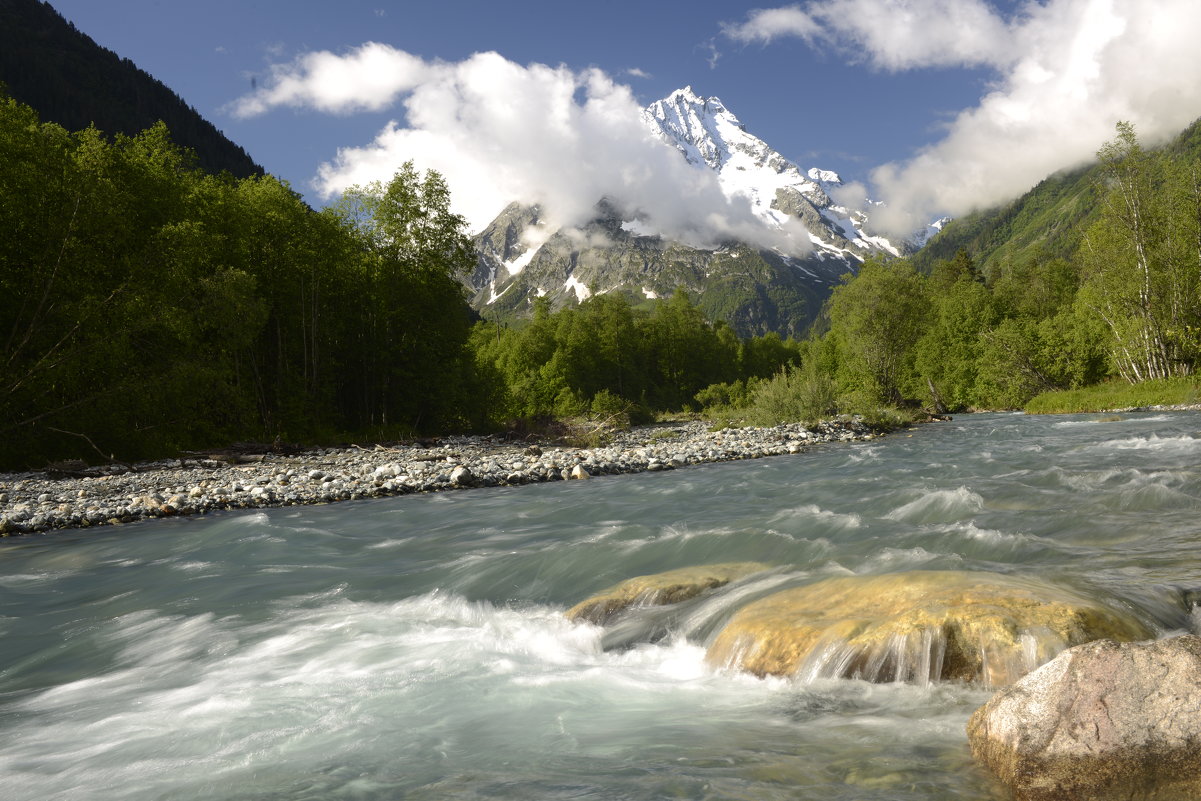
[
  {"x": 918, "y": 626},
  {"x": 660, "y": 589}
]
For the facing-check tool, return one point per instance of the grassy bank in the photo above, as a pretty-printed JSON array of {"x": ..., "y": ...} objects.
[{"x": 1118, "y": 395}]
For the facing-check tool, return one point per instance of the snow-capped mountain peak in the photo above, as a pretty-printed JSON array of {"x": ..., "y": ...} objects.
[
  {"x": 710, "y": 136},
  {"x": 700, "y": 128},
  {"x": 824, "y": 176},
  {"x": 524, "y": 255}
]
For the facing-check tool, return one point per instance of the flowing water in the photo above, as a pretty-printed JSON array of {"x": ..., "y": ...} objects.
[{"x": 416, "y": 647}]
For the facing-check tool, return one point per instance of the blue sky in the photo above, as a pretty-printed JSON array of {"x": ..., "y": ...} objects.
[{"x": 962, "y": 95}]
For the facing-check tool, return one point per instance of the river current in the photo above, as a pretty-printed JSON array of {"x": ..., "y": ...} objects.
[{"x": 416, "y": 647}]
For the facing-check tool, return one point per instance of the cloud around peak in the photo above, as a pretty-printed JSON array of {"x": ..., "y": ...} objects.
[
  {"x": 499, "y": 131},
  {"x": 1066, "y": 71}
]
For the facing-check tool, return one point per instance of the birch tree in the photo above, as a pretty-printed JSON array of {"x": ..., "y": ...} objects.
[{"x": 1141, "y": 260}]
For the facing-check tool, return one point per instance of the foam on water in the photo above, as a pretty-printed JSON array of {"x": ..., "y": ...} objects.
[
  {"x": 895, "y": 560},
  {"x": 809, "y": 514},
  {"x": 940, "y": 506},
  {"x": 1152, "y": 442},
  {"x": 416, "y": 647},
  {"x": 192, "y": 700}
]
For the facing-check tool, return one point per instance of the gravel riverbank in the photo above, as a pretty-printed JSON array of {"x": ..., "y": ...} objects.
[{"x": 39, "y": 501}]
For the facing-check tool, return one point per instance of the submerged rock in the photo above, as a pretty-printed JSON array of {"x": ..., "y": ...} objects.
[
  {"x": 660, "y": 589},
  {"x": 919, "y": 626},
  {"x": 1100, "y": 721}
]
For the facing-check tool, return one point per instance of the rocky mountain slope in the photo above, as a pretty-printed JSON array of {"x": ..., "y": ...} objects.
[
  {"x": 755, "y": 289},
  {"x": 60, "y": 72}
]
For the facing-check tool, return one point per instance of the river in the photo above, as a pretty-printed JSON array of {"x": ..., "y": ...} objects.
[{"x": 416, "y": 648}]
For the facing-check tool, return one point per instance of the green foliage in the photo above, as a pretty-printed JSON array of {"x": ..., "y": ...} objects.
[
  {"x": 1142, "y": 262},
  {"x": 795, "y": 395},
  {"x": 726, "y": 395},
  {"x": 561, "y": 363},
  {"x": 1118, "y": 395},
  {"x": 878, "y": 317},
  {"x": 149, "y": 306},
  {"x": 1050, "y": 221},
  {"x": 1047, "y": 318},
  {"x": 415, "y": 324},
  {"x": 948, "y": 354}
]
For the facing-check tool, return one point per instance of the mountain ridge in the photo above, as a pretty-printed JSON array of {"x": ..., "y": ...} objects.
[
  {"x": 1049, "y": 220},
  {"x": 756, "y": 289},
  {"x": 63, "y": 74}
]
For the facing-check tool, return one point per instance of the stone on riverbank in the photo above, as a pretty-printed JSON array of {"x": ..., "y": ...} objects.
[
  {"x": 919, "y": 626},
  {"x": 32, "y": 502},
  {"x": 660, "y": 589},
  {"x": 1101, "y": 721}
]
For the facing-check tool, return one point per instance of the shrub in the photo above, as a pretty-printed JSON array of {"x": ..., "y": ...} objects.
[{"x": 795, "y": 395}]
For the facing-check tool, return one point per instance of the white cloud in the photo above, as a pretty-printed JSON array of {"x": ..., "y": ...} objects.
[
  {"x": 499, "y": 132},
  {"x": 635, "y": 72},
  {"x": 371, "y": 77},
  {"x": 891, "y": 34},
  {"x": 1066, "y": 72},
  {"x": 766, "y": 24}
]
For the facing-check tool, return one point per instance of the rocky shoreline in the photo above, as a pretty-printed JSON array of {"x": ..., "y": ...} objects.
[{"x": 110, "y": 495}]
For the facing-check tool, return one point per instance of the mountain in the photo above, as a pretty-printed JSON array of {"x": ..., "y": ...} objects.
[
  {"x": 67, "y": 78},
  {"x": 1049, "y": 220},
  {"x": 710, "y": 137},
  {"x": 755, "y": 289}
]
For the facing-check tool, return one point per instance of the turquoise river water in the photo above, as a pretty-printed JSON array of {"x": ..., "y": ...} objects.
[{"x": 416, "y": 648}]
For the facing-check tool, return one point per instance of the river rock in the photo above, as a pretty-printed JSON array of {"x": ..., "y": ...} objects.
[
  {"x": 660, "y": 589},
  {"x": 1101, "y": 721},
  {"x": 38, "y": 501},
  {"x": 919, "y": 626},
  {"x": 462, "y": 477}
]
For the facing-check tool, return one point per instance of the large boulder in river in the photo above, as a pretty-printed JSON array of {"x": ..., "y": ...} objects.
[
  {"x": 1101, "y": 721},
  {"x": 919, "y": 626},
  {"x": 660, "y": 589}
]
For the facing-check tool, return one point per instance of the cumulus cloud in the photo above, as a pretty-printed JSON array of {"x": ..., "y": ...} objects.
[
  {"x": 370, "y": 78},
  {"x": 766, "y": 24},
  {"x": 499, "y": 131},
  {"x": 891, "y": 34},
  {"x": 1066, "y": 72}
]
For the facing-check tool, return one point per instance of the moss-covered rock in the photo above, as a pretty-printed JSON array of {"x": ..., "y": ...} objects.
[
  {"x": 660, "y": 589},
  {"x": 918, "y": 626}
]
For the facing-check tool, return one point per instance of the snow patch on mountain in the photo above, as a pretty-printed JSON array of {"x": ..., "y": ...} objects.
[{"x": 582, "y": 293}]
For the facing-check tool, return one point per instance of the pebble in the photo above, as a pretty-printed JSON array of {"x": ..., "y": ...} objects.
[{"x": 165, "y": 488}]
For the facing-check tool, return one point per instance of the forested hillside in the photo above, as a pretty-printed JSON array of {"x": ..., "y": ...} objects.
[
  {"x": 69, "y": 79},
  {"x": 1111, "y": 291},
  {"x": 1048, "y": 221}
]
